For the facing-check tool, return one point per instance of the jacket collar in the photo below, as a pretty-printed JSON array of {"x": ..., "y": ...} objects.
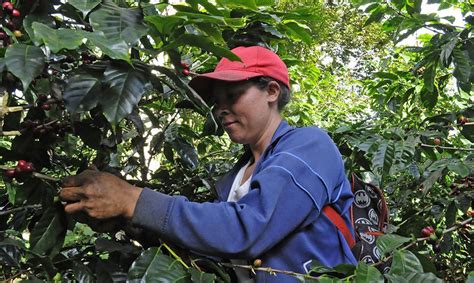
[{"x": 224, "y": 185}]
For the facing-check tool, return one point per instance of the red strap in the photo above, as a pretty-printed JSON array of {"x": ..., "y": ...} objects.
[{"x": 337, "y": 220}]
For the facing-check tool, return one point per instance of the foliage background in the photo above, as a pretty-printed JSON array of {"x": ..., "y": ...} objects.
[{"x": 113, "y": 74}]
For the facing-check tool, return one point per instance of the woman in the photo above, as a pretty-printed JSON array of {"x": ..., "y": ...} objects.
[{"x": 269, "y": 205}]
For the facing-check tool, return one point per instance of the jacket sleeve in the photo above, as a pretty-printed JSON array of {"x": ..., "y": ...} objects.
[{"x": 278, "y": 203}]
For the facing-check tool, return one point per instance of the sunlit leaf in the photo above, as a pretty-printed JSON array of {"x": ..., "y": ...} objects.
[
  {"x": 126, "y": 87},
  {"x": 118, "y": 24},
  {"x": 115, "y": 49},
  {"x": 153, "y": 266},
  {"x": 24, "y": 61},
  {"x": 405, "y": 262},
  {"x": 365, "y": 273},
  {"x": 388, "y": 243},
  {"x": 48, "y": 234},
  {"x": 82, "y": 93},
  {"x": 85, "y": 6},
  {"x": 57, "y": 39},
  {"x": 201, "y": 277}
]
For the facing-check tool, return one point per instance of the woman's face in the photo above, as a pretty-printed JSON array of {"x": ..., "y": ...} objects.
[{"x": 244, "y": 110}]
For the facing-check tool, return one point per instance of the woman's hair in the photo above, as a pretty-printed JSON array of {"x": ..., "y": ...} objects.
[{"x": 285, "y": 94}]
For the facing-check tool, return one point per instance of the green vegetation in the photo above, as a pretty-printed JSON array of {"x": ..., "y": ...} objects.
[{"x": 105, "y": 83}]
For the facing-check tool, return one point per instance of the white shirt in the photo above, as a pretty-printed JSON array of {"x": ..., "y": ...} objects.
[{"x": 237, "y": 192}]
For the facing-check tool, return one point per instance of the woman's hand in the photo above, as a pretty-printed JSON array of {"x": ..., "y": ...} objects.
[{"x": 99, "y": 194}]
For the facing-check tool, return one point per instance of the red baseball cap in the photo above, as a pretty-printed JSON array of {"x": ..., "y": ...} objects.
[{"x": 257, "y": 61}]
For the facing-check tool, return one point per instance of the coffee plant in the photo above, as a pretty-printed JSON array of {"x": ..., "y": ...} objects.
[{"x": 104, "y": 83}]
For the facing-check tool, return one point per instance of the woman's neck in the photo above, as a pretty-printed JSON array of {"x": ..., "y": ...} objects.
[{"x": 259, "y": 147}]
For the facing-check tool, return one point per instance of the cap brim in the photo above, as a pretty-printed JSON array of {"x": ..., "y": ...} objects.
[{"x": 202, "y": 84}]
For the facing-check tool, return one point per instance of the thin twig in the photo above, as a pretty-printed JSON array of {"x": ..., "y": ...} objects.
[
  {"x": 175, "y": 255},
  {"x": 269, "y": 270},
  {"x": 13, "y": 210},
  {"x": 447, "y": 147}
]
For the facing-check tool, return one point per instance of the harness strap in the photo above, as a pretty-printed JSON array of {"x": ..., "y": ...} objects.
[{"x": 337, "y": 220}]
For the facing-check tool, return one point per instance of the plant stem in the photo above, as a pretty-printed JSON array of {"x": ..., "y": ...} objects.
[
  {"x": 269, "y": 270},
  {"x": 175, "y": 255},
  {"x": 13, "y": 210},
  {"x": 447, "y": 147}
]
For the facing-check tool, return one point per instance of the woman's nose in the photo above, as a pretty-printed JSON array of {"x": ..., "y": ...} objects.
[{"x": 221, "y": 110}]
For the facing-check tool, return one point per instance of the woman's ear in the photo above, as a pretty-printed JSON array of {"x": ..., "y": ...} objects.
[{"x": 274, "y": 90}]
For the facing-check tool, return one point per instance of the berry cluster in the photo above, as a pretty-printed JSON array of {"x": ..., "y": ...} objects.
[
  {"x": 462, "y": 120},
  {"x": 466, "y": 183},
  {"x": 433, "y": 237},
  {"x": 10, "y": 16},
  {"x": 21, "y": 168},
  {"x": 88, "y": 58},
  {"x": 185, "y": 70},
  {"x": 46, "y": 104},
  {"x": 53, "y": 128}
]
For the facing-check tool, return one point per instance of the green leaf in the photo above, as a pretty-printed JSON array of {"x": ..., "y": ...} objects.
[
  {"x": 82, "y": 93},
  {"x": 451, "y": 214},
  {"x": 459, "y": 168},
  {"x": 298, "y": 31},
  {"x": 366, "y": 273},
  {"x": 26, "y": 62},
  {"x": 165, "y": 24},
  {"x": 432, "y": 178},
  {"x": 118, "y": 24},
  {"x": 201, "y": 277},
  {"x": 186, "y": 152},
  {"x": 82, "y": 273},
  {"x": 153, "y": 266},
  {"x": 386, "y": 75},
  {"x": 405, "y": 262},
  {"x": 447, "y": 50},
  {"x": 383, "y": 158},
  {"x": 429, "y": 77},
  {"x": 429, "y": 98},
  {"x": 126, "y": 87},
  {"x": 47, "y": 237},
  {"x": 203, "y": 43},
  {"x": 389, "y": 242},
  {"x": 468, "y": 132},
  {"x": 376, "y": 15},
  {"x": 197, "y": 100},
  {"x": 470, "y": 277},
  {"x": 85, "y": 6},
  {"x": 462, "y": 67},
  {"x": 249, "y": 4},
  {"x": 57, "y": 39},
  {"x": 426, "y": 262},
  {"x": 10, "y": 255},
  {"x": 414, "y": 277},
  {"x": 28, "y": 22},
  {"x": 114, "y": 49}
]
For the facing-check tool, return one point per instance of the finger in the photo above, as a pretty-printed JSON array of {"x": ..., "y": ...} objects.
[
  {"x": 72, "y": 181},
  {"x": 73, "y": 207},
  {"x": 71, "y": 194},
  {"x": 80, "y": 179},
  {"x": 93, "y": 167}
]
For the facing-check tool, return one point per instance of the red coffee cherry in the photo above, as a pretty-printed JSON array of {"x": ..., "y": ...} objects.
[
  {"x": 185, "y": 72},
  {"x": 15, "y": 13},
  {"x": 427, "y": 231},
  {"x": 46, "y": 106},
  {"x": 21, "y": 164},
  {"x": 29, "y": 167},
  {"x": 10, "y": 173},
  {"x": 7, "y": 6},
  {"x": 184, "y": 65}
]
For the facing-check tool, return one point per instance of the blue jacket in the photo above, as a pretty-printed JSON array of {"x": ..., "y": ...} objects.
[{"x": 278, "y": 221}]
